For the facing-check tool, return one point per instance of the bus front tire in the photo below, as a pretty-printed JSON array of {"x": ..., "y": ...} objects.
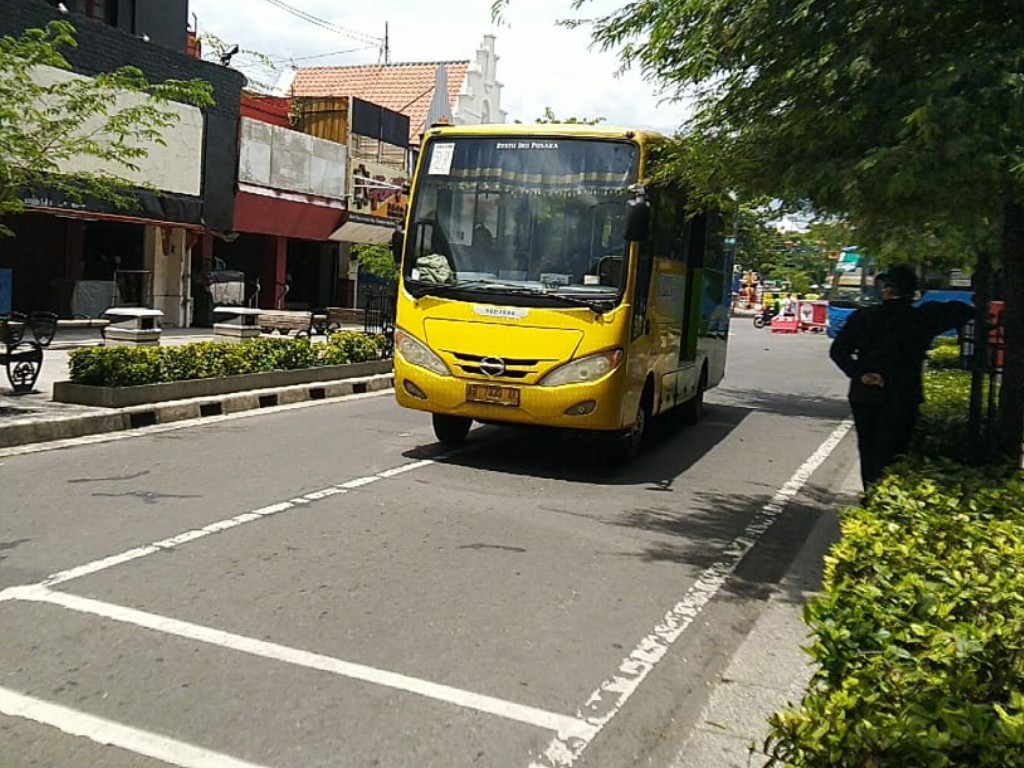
[
  {"x": 451, "y": 430},
  {"x": 627, "y": 446}
]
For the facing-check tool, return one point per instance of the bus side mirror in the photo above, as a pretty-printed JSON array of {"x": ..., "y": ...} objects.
[
  {"x": 638, "y": 218},
  {"x": 397, "y": 241}
]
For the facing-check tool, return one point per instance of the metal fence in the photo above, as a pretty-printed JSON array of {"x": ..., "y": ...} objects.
[
  {"x": 982, "y": 354},
  {"x": 379, "y": 312}
]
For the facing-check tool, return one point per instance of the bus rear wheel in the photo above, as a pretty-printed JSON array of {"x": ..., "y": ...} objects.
[
  {"x": 451, "y": 430},
  {"x": 693, "y": 409}
]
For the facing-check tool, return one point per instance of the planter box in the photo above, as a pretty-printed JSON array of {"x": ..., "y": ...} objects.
[{"x": 122, "y": 397}]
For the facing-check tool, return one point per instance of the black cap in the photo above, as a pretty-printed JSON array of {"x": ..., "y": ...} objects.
[{"x": 901, "y": 279}]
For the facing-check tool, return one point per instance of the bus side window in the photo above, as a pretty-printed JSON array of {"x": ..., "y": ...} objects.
[
  {"x": 645, "y": 262},
  {"x": 669, "y": 226}
]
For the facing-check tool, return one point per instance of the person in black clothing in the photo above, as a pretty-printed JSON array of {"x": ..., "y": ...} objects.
[{"x": 882, "y": 349}]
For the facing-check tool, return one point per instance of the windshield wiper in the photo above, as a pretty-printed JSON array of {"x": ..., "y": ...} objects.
[
  {"x": 446, "y": 289},
  {"x": 597, "y": 306}
]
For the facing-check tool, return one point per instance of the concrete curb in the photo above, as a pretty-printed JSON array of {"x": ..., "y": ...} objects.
[
  {"x": 97, "y": 421},
  {"x": 769, "y": 669}
]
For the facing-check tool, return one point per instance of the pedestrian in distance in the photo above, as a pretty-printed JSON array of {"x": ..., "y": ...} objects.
[{"x": 882, "y": 348}]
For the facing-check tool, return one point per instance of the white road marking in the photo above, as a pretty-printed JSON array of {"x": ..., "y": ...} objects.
[
  {"x": 155, "y": 429},
  {"x": 609, "y": 698},
  {"x": 221, "y": 525},
  {"x": 567, "y": 727},
  {"x": 107, "y": 732}
]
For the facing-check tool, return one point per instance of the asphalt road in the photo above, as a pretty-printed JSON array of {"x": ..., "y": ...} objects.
[{"x": 322, "y": 585}]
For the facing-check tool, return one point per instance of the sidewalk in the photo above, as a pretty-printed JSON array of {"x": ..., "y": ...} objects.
[
  {"x": 36, "y": 418},
  {"x": 769, "y": 669}
]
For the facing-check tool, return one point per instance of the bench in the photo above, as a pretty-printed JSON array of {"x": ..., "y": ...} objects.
[
  {"x": 337, "y": 317},
  {"x": 22, "y": 359},
  {"x": 240, "y": 323},
  {"x": 132, "y": 326},
  {"x": 285, "y": 321}
]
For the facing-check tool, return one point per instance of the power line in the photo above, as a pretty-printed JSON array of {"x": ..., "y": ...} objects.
[
  {"x": 282, "y": 59},
  {"x": 324, "y": 24}
]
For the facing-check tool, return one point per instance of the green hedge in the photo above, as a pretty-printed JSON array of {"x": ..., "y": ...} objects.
[
  {"x": 129, "y": 366},
  {"x": 918, "y": 635}
]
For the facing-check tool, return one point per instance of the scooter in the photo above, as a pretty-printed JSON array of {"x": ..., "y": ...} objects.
[{"x": 765, "y": 317}]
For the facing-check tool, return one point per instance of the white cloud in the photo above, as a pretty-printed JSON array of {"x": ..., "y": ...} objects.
[{"x": 540, "y": 64}]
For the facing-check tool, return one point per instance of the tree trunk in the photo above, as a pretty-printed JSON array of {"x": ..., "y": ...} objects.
[
  {"x": 1011, "y": 395},
  {"x": 979, "y": 361}
]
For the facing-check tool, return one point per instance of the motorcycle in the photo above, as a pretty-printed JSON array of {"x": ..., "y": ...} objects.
[{"x": 765, "y": 317}]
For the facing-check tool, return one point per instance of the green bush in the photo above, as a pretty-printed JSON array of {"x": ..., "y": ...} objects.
[
  {"x": 129, "y": 366},
  {"x": 944, "y": 356},
  {"x": 919, "y": 632},
  {"x": 918, "y": 635}
]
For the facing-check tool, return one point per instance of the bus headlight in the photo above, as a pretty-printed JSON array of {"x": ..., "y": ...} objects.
[
  {"x": 585, "y": 369},
  {"x": 415, "y": 352}
]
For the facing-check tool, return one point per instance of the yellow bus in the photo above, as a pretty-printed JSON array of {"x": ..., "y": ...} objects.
[{"x": 544, "y": 280}]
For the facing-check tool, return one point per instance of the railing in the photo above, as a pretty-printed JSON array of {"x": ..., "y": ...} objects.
[{"x": 379, "y": 312}]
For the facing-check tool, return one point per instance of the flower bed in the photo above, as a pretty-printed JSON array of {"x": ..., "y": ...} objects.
[{"x": 134, "y": 366}]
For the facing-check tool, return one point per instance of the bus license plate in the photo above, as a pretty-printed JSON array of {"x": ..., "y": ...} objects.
[{"x": 493, "y": 394}]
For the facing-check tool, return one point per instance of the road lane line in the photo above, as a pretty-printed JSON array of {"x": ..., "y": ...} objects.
[
  {"x": 156, "y": 429},
  {"x": 109, "y": 733},
  {"x": 609, "y": 698},
  {"x": 564, "y": 725},
  {"x": 221, "y": 525}
]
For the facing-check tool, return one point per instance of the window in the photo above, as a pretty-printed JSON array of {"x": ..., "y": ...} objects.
[{"x": 101, "y": 10}]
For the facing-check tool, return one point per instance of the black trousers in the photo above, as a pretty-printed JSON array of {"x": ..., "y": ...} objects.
[{"x": 883, "y": 433}]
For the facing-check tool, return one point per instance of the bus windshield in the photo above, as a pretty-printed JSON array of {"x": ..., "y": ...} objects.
[
  {"x": 853, "y": 280},
  {"x": 525, "y": 217}
]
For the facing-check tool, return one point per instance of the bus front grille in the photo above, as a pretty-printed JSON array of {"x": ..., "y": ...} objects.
[{"x": 495, "y": 367}]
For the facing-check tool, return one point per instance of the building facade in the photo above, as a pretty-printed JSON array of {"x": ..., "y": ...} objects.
[{"x": 77, "y": 259}]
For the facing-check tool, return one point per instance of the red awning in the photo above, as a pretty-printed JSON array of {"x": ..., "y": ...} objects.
[{"x": 264, "y": 214}]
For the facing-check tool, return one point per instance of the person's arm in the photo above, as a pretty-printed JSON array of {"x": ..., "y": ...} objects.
[
  {"x": 843, "y": 351},
  {"x": 942, "y": 316}
]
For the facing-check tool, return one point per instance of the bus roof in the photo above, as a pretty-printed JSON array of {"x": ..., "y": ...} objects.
[{"x": 568, "y": 130}]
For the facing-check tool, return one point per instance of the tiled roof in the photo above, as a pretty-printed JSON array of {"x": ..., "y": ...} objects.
[{"x": 404, "y": 88}]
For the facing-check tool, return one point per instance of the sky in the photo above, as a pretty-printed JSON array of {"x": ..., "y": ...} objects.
[{"x": 539, "y": 63}]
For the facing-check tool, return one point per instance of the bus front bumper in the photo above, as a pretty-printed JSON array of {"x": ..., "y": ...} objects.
[{"x": 594, "y": 406}]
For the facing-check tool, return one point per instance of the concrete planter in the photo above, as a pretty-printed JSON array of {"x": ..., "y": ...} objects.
[{"x": 122, "y": 397}]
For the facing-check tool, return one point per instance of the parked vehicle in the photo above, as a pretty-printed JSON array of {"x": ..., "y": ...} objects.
[{"x": 594, "y": 303}]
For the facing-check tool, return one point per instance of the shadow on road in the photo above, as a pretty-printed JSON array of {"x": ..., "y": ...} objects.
[
  {"x": 559, "y": 455},
  {"x": 698, "y": 537}
]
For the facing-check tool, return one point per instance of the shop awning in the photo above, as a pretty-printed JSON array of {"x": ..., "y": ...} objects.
[
  {"x": 148, "y": 207},
  {"x": 360, "y": 228},
  {"x": 269, "y": 212}
]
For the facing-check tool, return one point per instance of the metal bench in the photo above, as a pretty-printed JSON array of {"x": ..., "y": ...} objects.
[
  {"x": 23, "y": 360},
  {"x": 285, "y": 321},
  {"x": 337, "y": 317}
]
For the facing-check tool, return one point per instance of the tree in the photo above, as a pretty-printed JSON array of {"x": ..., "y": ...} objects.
[
  {"x": 550, "y": 117},
  {"x": 47, "y": 124},
  {"x": 902, "y": 115},
  {"x": 376, "y": 261}
]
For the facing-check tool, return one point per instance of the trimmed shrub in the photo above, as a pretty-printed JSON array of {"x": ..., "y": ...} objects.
[
  {"x": 130, "y": 366},
  {"x": 918, "y": 635},
  {"x": 944, "y": 356}
]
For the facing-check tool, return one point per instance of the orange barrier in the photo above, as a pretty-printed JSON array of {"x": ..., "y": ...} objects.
[
  {"x": 785, "y": 324},
  {"x": 813, "y": 315}
]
